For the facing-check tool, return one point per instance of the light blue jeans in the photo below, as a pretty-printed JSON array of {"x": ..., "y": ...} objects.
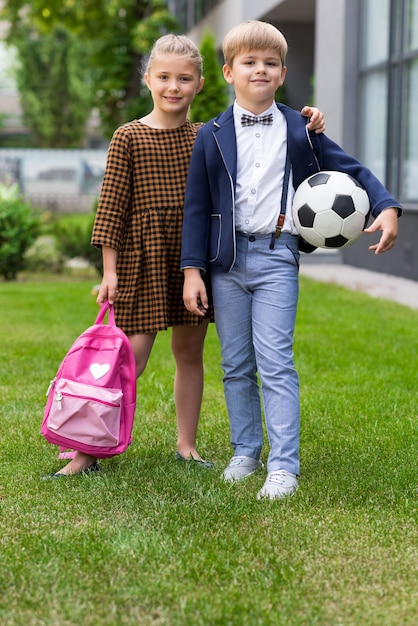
[{"x": 255, "y": 312}]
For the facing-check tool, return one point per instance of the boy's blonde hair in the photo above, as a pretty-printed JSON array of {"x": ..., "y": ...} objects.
[
  {"x": 253, "y": 35},
  {"x": 179, "y": 45}
]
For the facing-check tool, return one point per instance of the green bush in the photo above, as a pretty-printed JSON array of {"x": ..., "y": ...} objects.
[
  {"x": 44, "y": 255},
  {"x": 73, "y": 234},
  {"x": 214, "y": 96},
  {"x": 19, "y": 227}
]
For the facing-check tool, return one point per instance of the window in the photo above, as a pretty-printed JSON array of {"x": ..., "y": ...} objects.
[
  {"x": 7, "y": 61},
  {"x": 189, "y": 12},
  {"x": 388, "y": 90}
]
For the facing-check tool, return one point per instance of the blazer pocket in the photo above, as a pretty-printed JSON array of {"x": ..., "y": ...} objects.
[{"x": 215, "y": 236}]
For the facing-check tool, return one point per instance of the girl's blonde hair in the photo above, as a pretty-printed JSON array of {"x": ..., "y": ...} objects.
[
  {"x": 253, "y": 35},
  {"x": 179, "y": 45}
]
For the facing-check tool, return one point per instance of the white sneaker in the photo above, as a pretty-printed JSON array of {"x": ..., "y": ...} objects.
[
  {"x": 279, "y": 484},
  {"x": 240, "y": 467}
]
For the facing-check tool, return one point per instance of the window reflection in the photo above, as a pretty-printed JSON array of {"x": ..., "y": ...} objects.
[{"x": 388, "y": 132}]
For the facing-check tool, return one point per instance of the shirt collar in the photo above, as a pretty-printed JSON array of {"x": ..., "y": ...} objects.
[{"x": 239, "y": 110}]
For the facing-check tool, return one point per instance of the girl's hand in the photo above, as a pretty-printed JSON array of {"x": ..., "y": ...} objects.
[
  {"x": 316, "y": 119},
  {"x": 108, "y": 289}
]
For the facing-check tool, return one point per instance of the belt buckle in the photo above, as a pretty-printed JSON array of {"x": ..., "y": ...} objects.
[{"x": 279, "y": 226}]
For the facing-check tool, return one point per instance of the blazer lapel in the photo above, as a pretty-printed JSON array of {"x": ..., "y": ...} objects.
[
  {"x": 225, "y": 137},
  {"x": 300, "y": 145}
]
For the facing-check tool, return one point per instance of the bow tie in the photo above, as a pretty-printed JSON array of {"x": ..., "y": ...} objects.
[{"x": 250, "y": 120}]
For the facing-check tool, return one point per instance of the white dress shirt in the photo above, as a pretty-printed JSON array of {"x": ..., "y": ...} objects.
[{"x": 261, "y": 151}]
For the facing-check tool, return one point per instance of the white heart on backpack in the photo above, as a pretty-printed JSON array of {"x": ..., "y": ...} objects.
[{"x": 98, "y": 370}]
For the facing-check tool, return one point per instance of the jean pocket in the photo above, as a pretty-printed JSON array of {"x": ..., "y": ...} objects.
[
  {"x": 215, "y": 236},
  {"x": 295, "y": 254}
]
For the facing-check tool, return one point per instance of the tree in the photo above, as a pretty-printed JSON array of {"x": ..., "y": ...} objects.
[
  {"x": 19, "y": 227},
  {"x": 115, "y": 35},
  {"x": 214, "y": 96},
  {"x": 118, "y": 57},
  {"x": 54, "y": 87}
]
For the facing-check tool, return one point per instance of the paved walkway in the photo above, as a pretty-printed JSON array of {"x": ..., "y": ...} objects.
[{"x": 385, "y": 286}]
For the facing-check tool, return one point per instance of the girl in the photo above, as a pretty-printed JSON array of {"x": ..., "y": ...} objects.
[{"x": 138, "y": 227}]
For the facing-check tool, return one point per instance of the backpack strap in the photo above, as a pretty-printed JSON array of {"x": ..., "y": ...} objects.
[
  {"x": 65, "y": 453},
  {"x": 106, "y": 307}
]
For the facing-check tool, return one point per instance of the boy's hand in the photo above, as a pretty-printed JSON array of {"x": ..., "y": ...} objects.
[
  {"x": 387, "y": 222},
  {"x": 316, "y": 119},
  {"x": 194, "y": 292}
]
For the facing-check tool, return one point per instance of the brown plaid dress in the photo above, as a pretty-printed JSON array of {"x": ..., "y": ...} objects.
[{"x": 140, "y": 214}]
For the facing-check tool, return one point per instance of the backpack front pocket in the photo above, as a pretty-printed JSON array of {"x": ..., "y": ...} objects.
[{"x": 85, "y": 413}]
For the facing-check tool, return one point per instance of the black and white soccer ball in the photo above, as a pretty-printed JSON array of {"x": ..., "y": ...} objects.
[{"x": 330, "y": 209}]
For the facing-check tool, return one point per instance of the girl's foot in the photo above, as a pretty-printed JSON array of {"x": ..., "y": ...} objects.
[
  {"x": 197, "y": 460},
  {"x": 81, "y": 464}
]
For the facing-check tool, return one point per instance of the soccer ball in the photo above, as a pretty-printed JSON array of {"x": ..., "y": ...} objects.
[{"x": 330, "y": 209}]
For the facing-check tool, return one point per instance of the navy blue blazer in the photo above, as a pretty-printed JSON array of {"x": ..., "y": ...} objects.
[{"x": 208, "y": 237}]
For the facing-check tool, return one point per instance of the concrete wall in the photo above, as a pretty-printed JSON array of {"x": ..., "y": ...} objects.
[
  {"x": 55, "y": 180},
  {"x": 329, "y": 61},
  {"x": 229, "y": 13},
  {"x": 402, "y": 260},
  {"x": 294, "y": 24}
]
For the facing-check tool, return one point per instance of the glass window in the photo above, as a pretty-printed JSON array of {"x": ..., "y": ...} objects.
[
  {"x": 373, "y": 126},
  {"x": 409, "y": 182},
  {"x": 388, "y": 132},
  {"x": 179, "y": 8},
  {"x": 412, "y": 25},
  {"x": 189, "y": 12},
  {"x": 7, "y": 64},
  {"x": 375, "y": 31}
]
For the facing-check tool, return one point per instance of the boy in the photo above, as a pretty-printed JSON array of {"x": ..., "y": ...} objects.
[{"x": 241, "y": 182}]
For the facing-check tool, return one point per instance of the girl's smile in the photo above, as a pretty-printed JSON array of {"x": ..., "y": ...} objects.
[{"x": 173, "y": 81}]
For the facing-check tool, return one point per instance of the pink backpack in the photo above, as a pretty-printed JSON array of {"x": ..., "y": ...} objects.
[{"x": 91, "y": 401}]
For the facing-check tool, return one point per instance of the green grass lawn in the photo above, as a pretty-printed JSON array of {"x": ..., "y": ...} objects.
[{"x": 152, "y": 542}]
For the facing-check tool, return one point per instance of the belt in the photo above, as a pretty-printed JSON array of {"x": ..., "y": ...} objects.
[{"x": 255, "y": 236}]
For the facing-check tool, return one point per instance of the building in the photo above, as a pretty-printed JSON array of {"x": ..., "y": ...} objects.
[
  {"x": 357, "y": 60},
  {"x": 10, "y": 113}
]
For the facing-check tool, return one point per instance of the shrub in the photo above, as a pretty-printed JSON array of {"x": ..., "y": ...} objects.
[
  {"x": 44, "y": 256},
  {"x": 19, "y": 227},
  {"x": 73, "y": 234},
  {"x": 214, "y": 96}
]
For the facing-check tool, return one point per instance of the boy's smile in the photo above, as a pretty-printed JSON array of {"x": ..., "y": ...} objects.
[{"x": 256, "y": 75}]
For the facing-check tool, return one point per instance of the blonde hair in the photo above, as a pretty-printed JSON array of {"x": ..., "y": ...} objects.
[
  {"x": 179, "y": 45},
  {"x": 253, "y": 35}
]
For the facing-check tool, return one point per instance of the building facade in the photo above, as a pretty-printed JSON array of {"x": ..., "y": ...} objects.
[{"x": 357, "y": 60}]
